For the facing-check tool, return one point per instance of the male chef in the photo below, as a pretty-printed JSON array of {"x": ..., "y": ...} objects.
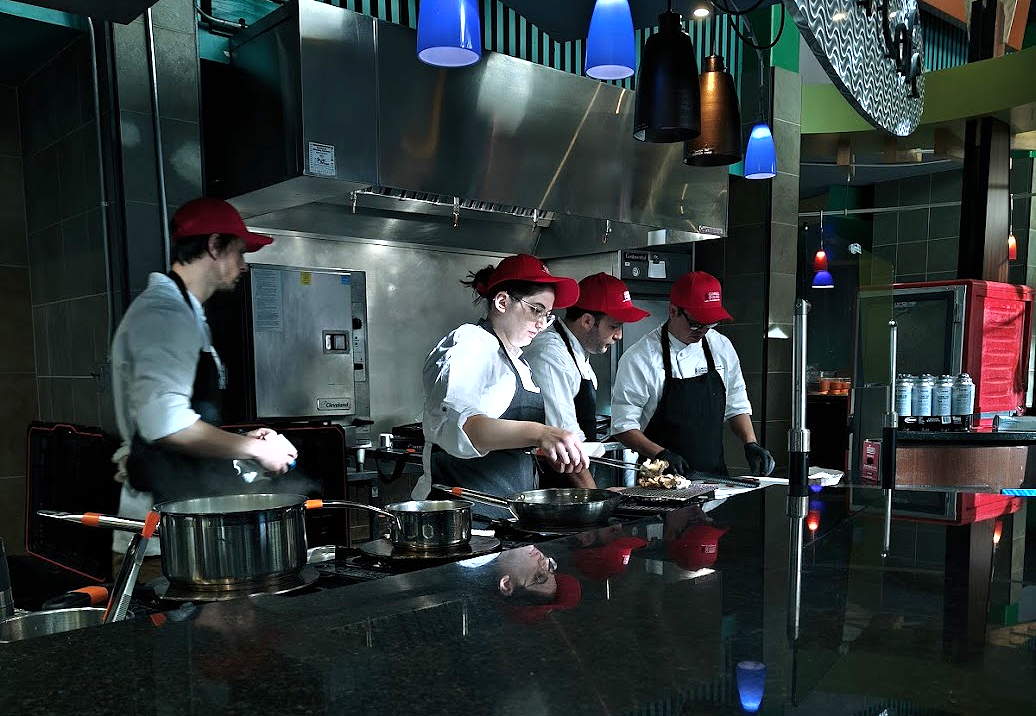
[
  {"x": 559, "y": 358},
  {"x": 678, "y": 385},
  {"x": 168, "y": 380}
]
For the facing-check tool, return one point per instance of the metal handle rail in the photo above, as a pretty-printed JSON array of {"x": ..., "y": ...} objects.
[
  {"x": 888, "y": 443},
  {"x": 798, "y": 468}
]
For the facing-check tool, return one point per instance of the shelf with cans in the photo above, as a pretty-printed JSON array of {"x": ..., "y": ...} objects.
[{"x": 928, "y": 402}]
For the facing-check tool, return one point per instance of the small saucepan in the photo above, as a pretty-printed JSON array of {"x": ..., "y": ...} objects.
[
  {"x": 550, "y": 507},
  {"x": 426, "y": 525}
]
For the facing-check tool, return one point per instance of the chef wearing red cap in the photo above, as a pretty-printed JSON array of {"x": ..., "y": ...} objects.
[
  {"x": 678, "y": 385},
  {"x": 483, "y": 410},
  {"x": 559, "y": 356},
  {"x": 168, "y": 379}
]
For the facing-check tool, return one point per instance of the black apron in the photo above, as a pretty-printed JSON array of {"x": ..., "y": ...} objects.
[
  {"x": 586, "y": 399},
  {"x": 585, "y": 403},
  {"x": 690, "y": 414},
  {"x": 171, "y": 475},
  {"x": 501, "y": 472}
]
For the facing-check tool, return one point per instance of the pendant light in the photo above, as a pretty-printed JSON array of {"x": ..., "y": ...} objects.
[
  {"x": 668, "y": 103},
  {"x": 719, "y": 143},
  {"x": 449, "y": 33},
  {"x": 822, "y": 277},
  {"x": 751, "y": 684},
  {"x": 1012, "y": 243},
  {"x": 610, "y": 45},
  {"x": 761, "y": 156}
]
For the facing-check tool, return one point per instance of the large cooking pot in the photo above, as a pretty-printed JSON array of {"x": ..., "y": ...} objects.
[
  {"x": 550, "y": 507},
  {"x": 54, "y": 621}
]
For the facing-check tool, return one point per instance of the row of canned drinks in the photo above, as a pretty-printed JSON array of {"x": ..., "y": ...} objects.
[{"x": 920, "y": 395}]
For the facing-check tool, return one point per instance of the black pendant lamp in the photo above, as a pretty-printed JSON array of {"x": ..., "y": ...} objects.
[
  {"x": 668, "y": 105},
  {"x": 719, "y": 143}
]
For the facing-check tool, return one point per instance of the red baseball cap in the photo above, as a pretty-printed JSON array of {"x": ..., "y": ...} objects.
[
  {"x": 606, "y": 294},
  {"x": 523, "y": 267},
  {"x": 701, "y": 295},
  {"x": 607, "y": 560},
  {"x": 567, "y": 596},
  {"x": 697, "y": 547},
  {"x": 203, "y": 216}
]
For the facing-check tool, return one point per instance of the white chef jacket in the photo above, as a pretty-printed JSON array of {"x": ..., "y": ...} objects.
[
  {"x": 558, "y": 376},
  {"x": 154, "y": 359},
  {"x": 641, "y": 375},
  {"x": 467, "y": 374}
]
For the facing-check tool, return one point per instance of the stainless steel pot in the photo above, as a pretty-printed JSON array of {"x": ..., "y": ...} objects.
[
  {"x": 550, "y": 507},
  {"x": 227, "y": 540},
  {"x": 427, "y": 524},
  {"x": 54, "y": 621}
]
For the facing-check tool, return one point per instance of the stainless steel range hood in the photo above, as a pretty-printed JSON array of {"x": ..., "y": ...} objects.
[{"x": 342, "y": 131}]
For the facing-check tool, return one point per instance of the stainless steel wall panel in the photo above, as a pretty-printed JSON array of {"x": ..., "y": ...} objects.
[{"x": 503, "y": 131}]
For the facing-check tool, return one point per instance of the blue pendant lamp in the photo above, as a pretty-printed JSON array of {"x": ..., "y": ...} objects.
[
  {"x": 610, "y": 46},
  {"x": 761, "y": 155},
  {"x": 751, "y": 684},
  {"x": 449, "y": 33}
]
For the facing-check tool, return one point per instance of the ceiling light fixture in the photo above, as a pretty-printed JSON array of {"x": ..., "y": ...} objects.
[
  {"x": 701, "y": 10},
  {"x": 668, "y": 102},
  {"x": 610, "y": 44},
  {"x": 822, "y": 277},
  {"x": 1012, "y": 243},
  {"x": 449, "y": 33},
  {"x": 719, "y": 143}
]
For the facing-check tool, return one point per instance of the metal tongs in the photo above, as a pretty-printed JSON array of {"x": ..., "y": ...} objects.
[{"x": 695, "y": 476}]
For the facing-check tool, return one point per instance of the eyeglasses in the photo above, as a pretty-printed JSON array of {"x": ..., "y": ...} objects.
[
  {"x": 539, "y": 312},
  {"x": 695, "y": 325},
  {"x": 543, "y": 575}
]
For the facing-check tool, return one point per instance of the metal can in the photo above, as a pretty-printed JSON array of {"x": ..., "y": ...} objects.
[
  {"x": 942, "y": 395},
  {"x": 921, "y": 400},
  {"x": 904, "y": 394},
  {"x": 963, "y": 400}
]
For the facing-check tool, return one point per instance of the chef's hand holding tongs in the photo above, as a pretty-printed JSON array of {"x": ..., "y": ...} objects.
[{"x": 562, "y": 449}]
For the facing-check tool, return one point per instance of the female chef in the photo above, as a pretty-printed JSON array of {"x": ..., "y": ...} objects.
[{"x": 482, "y": 411}]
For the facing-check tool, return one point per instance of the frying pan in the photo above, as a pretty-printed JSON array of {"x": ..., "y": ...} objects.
[{"x": 552, "y": 507}]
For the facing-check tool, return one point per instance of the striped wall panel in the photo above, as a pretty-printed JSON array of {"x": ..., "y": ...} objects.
[{"x": 945, "y": 43}]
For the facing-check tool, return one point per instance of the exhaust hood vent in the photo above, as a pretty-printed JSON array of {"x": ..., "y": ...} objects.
[
  {"x": 439, "y": 204},
  {"x": 518, "y": 143}
]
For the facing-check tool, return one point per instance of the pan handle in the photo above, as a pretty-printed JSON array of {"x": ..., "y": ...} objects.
[
  {"x": 475, "y": 496},
  {"x": 93, "y": 519},
  {"x": 318, "y": 504}
]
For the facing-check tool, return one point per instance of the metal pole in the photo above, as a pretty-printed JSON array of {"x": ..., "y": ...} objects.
[
  {"x": 156, "y": 124},
  {"x": 798, "y": 468},
  {"x": 888, "y": 443}
]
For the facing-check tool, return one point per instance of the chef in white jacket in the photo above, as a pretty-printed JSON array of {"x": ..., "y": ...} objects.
[
  {"x": 483, "y": 411},
  {"x": 677, "y": 386},
  {"x": 559, "y": 358}
]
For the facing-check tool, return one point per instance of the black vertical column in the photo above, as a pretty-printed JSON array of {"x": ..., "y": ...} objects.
[{"x": 984, "y": 220}]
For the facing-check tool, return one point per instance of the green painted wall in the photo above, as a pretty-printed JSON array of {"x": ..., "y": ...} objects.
[{"x": 980, "y": 88}]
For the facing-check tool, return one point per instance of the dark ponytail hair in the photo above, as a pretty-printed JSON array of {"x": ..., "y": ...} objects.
[{"x": 477, "y": 281}]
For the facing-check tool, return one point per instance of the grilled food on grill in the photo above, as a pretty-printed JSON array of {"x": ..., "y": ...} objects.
[{"x": 652, "y": 473}]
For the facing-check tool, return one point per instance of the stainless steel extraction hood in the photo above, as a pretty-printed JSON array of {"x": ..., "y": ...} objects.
[{"x": 341, "y": 130}]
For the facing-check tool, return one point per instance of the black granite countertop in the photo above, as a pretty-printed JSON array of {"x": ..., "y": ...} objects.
[
  {"x": 966, "y": 438},
  {"x": 651, "y": 618}
]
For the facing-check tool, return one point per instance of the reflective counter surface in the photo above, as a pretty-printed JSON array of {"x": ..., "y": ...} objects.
[{"x": 690, "y": 613}]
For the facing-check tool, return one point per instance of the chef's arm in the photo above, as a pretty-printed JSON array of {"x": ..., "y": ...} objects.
[
  {"x": 742, "y": 427},
  {"x": 561, "y": 446},
  {"x": 201, "y": 439},
  {"x": 636, "y": 440}
]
